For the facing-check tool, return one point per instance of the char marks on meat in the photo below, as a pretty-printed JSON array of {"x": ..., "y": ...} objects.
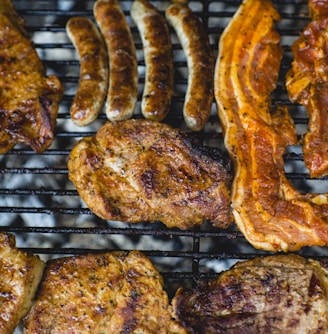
[
  {"x": 267, "y": 209},
  {"x": 111, "y": 293},
  {"x": 140, "y": 170},
  {"x": 28, "y": 99},
  {"x": 307, "y": 84},
  {"x": 273, "y": 294},
  {"x": 20, "y": 274}
]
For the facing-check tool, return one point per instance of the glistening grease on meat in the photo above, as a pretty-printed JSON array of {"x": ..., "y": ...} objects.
[
  {"x": 140, "y": 170},
  {"x": 93, "y": 82},
  {"x": 195, "y": 43},
  {"x": 269, "y": 211},
  {"x": 20, "y": 274},
  {"x": 29, "y": 100},
  {"x": 307, "y": 84},
  {"x": 159, "y": 77},
  {"x": 123, "y": 68},
  {"x": 273, "y": 294}
]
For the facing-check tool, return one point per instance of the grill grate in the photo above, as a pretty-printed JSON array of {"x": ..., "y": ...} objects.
[{"x": 41, "y": 207}]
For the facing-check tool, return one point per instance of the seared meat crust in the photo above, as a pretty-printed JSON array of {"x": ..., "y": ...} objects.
[
  {"x": 307, "y": 84},
  {"x": 274, "y": 294},
  {"x": 195, "y": 43},
  {"x": 123, "y": 68},
  {"x": 102, "y": 293},
  {"x": 141, "y": 170},
  {"x": 269, "y": 211},
  {"x": 20, "y": 274},
  {"x": 93, "y": 81},
  {"x": 159, "y": 77},
  {"x": 28, "y": 99}
]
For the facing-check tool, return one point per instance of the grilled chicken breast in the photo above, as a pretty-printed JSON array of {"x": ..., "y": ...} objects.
[
  {"x": 140, "y": 170},
  {"x": 274, "y": 294},
  {"x": 28, "y": 99},
  {"x": 20, "y": 274},
  {"x": 269, "y": 211},
  {"x": 102, "y": 293},
  {"x": 307, "y": 84}
]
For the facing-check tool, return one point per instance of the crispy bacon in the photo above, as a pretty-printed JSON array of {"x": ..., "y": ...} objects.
[
  {"x": 307, "y": 84},
  {"x": 267, "y": 209}
]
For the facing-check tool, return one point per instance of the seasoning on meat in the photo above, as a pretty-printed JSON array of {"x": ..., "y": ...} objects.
[
  {"x": 273, "y": 294},
  {"x": 29, "y": 100},
  {"x": 268, "y": 210},
  {"x": 123, "y": 68},
  {"x": 195, "y": 43},
  {"x": 93, "y": 82},
  {"x": 110, "y": 293},
  {"x": 20, "y": 274},
  {"x": 143, "y": 171},
  {"x": 159, "y": 77},
  {"x": 307, "y": 84}
]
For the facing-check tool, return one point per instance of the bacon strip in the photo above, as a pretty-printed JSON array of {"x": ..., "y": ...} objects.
[
  {"x": 267, "y": 209},
  {"x": 307, "y": 84},
  {"x": 195, "y": 43},
  {"x": 93, "y": 83},
  {"x": 123, "y": 69},
  {"x": 159, "y": 78}
]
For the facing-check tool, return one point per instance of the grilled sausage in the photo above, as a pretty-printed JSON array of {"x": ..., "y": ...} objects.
[
  {"x": 93, "y": 83},
  {"x": 159, "y": 77},
  {"x": 200, "y": 60},
  {"x": 123, "y": 71}
]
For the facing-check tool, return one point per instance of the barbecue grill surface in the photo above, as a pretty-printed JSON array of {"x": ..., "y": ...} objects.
[{"x": 42, "y": 208}]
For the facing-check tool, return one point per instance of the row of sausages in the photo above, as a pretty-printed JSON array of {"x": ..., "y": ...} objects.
[{"x": 109, "y": 68}]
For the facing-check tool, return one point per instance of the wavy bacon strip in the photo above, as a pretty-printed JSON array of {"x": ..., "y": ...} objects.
[
  {"x": 267, "y": 209},
  {"x": 307, "y": 84}
]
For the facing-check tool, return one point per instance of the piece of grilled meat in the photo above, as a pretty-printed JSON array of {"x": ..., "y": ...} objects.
[
  {"x": 269, "y": 211},
  {"x": 273, "y": 294},
  {"x": 140, "y": 170},
  {"x": 28, "y": 99},
  {"x": 20, "y": 274},
  {"x": 113, "y": 292},
  {"x": 307, "y": 84}
]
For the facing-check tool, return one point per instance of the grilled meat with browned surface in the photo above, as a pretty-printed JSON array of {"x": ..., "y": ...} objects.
[
  {"x": 113, "y": 292},
  {"x": 269, "y": 211},
  {"x": 273, "y": 294},
  {"x": 28, "y": 99},
  {"x": 307, "y": 84},
  {"x": 196, "y": 46},
  {"x": 122, "y": 92},
  {"x": 140, "y": 170},
  {"x": 158, "y": 56},
  {"x": 93, "y": 81},
  {"x": 20, "y": 274}
]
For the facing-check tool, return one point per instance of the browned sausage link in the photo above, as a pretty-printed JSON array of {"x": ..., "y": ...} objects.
[
  {"x": 159, "y": 77},
  {"x": 123, "y": 71},
  {"x": 200, "y": 60},
  {"x": 93, "y": 83}
]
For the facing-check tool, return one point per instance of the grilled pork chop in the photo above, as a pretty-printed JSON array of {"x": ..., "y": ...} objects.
[
  {"x": 269, "y": 211},
  {"x": 28, "y": 99},
  {"x": 141, "y": 170},
  {"x": 307, "y": 84},
  {"x": 274, "y": 294},
  {"x": 102, "y": 293},
  {"x": 20, "y": 274}
]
